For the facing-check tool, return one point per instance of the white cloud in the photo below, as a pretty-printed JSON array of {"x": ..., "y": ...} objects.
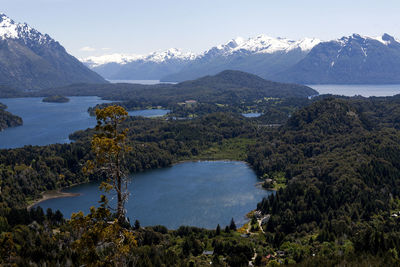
[
  {"x": 87, "y": 49},
  {"x": 106, "y": 48}
]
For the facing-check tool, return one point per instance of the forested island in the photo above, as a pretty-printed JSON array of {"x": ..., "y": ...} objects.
[
  {"x": 7, "y": 119},
  {"x": 56, "y": 99},
  {"x": 333, "y": 161}
]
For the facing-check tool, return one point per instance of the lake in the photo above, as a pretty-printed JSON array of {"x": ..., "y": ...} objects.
[
  {"x": 365, "y": 90},
  {"x": 145, "y": 82},
  {"x": 202, "y": 194},
  {"x": 50, "y": 123},
  {"x": 251, "y": 115},
  {"x": 47, "y": 123},
  {"x": 149, "y": 113}
]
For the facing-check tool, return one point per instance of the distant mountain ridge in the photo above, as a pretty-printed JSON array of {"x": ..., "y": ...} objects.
[
  {"x": 354, "y": 59},
  {"x": 349, "y": 60},
  {"x": 237, "y": 54},
  {"x": 31, "y": 60}
]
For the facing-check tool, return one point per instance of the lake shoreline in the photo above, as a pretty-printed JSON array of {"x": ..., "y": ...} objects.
[
  {"x": 211, "y": 160},
  {"x": 51, "y": 195}
]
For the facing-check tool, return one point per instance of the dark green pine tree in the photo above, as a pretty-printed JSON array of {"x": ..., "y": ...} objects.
[
  {"x": 232, "y": 225},
  {"x": 218, "y": 230}
]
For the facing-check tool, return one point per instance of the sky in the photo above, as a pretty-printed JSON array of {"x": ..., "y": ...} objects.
[{"x": 96, "y": 27}]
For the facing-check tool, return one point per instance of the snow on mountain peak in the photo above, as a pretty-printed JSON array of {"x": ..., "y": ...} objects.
[
  {"x": 12, "y": 30},
  {"x": 157, "y": 57},
  {"x": 259, "y": 44},
  {"x": 8, "y": 29},
  {"x": 263, "y": 44},
  {"x": 385, "y": 39},
  {"x": 307, "y": 44},
  {"x": 95, "y": 61},
  {"x": 172, "y": 53}
]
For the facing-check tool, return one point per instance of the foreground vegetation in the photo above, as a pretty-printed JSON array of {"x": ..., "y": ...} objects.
[{"x": 335, "y": 164}]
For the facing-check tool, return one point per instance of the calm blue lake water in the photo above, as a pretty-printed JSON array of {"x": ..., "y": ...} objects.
[
  {"x": 252, "y": 115},
  {"x": 47, "y": 123},
  {"x": 149, "y": 113},
  {"x": 146, "y": 82},
  {"x": 203, "y": 194},
  {"x": 356, "y": 89}
]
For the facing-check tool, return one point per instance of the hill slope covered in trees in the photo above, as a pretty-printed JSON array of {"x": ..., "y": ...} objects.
[{"x": 336, "y": 160}]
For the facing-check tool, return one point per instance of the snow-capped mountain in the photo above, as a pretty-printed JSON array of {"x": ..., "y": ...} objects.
[
  {"x": 260, "y": 44},
  {"x": 139, "y": 67},
  {"x": 239, "y": 54},
  {"x": 156, "y": 57},
  {"x": 32, "y": 60},
  {"x": 22, "y": 31},
  {"x": 263, "y": 44},
  {"x": 351, "y": 59},
  {"x": 261, "y": 55}
]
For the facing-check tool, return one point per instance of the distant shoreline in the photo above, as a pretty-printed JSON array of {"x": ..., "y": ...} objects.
[{"x": 52, "y": 195}]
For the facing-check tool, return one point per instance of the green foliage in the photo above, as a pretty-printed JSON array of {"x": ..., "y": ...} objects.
[
  {"x": 100, "y": 239},
  {"x": 342, "y": 175},
  {"x": 338, "y": 159}
]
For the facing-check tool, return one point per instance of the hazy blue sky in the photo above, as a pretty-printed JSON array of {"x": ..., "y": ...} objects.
[{"x": 130, "y": 26}]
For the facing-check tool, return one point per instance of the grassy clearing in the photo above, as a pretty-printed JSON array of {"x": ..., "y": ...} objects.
[{"x": 232, "y": 149}]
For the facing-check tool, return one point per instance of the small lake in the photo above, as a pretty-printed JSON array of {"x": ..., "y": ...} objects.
[
  {"x": 251, "y": 115},
  {"x": 149, "y": 113},
  {"x": 202, "y": 194},
  {"x": 47, "y": 123},
  {"x": 145, "y": 82},
  {"x": 365, "y": 90}
]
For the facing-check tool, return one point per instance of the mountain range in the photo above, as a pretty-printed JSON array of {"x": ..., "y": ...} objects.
[
  {"x": 30, "y": 60},
  {"x": 353, "y": 59}
]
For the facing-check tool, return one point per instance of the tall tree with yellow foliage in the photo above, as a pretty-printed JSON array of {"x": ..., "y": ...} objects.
[{"x": 109, "y": 146}]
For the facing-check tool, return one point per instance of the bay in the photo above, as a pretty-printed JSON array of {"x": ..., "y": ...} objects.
[{"x": 47, "y": 123}]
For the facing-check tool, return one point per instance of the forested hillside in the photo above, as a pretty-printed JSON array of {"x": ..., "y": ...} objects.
[
  {"x": 226, "y": 87},
  {"x": 343, "y": 177},
  {"x": 335, "y": 165}
]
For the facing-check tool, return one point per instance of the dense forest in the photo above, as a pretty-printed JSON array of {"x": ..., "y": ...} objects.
[
  {"x": 226, "y": 87},
  {"x": 7, "y": 119},
  {"x": 334, "y": 163}
]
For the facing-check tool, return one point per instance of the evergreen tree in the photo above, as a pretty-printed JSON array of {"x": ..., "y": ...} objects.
[
  {"x": 227, "y": 230},
  {"x": 137, "y": 225},
  {"x": 218, "y": 230},
  {"x": 232, "y": 225}
]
